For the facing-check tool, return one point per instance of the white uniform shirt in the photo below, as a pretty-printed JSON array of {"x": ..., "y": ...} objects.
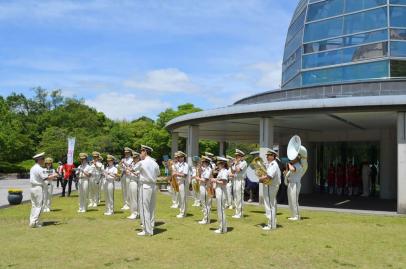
[
  {"x": 274, "y": 172},
  {"x": 110, "y": 173},
  {"x": 135, "y": 175},
  {"x": 84, "y": 168},
  {"x": 243, "y": 167},
  {"x": 206, "y": 173},
  {"x": 149, "y": 171},
  {"x": 295, "y": 176},
  {"x": 37, "y": 175},
  {"x": 97, "y": 170},
  {"x": 126, "y": 163},
  {"x": 222, "y": 176},
  {"x": 182, "y": 168}
]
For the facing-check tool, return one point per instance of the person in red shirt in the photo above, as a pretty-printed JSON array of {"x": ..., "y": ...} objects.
[
  {"x": 331, "y": 178},
  {"x": 68, "y": 174}
]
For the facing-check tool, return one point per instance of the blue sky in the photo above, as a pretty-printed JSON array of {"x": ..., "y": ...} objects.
[{"x": 134, "y": 58}]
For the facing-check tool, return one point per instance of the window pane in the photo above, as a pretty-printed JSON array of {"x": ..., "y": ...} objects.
[
  {"x": 365, "y": 71},
  {"x": 323, "y": 29},
  {"x": 325, "y": 9},
  {"x": 398, "y": 34},
  {"x": 346, "y": 73},
  {"x": 292, "y": 66},
  {"x": 397, "y": 16},
  {"x": 293, "y": 45},
  {"x": 296, "y": 26},
  {"x": 365, "y": 21},
  {"x": 398, "y": 68},
  {"x": 323, "y": 76},
  {"x": 402, "y": 2},
  {"x": 398, "y": 49},
  {"x": 351, "y": 5},
  {"x": 322, "y": 59},
  {"x": 365, "y": 38},
  {"x": 294, "y": 83},
  {"x": 365, "y": 52},
  {"x": 323, "y": 45}
]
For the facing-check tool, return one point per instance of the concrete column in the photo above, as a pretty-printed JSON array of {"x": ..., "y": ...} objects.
[
  {"x": 222, "y": 148},
  {"x": 401, "y": 148},
  {"x": 387, "y": 173},
  {"x": 174, "y": 147},
  {"x": 266, "y": 140},
  {"x": 192, "y": 147},
  {"x": 310, "y": 175}
]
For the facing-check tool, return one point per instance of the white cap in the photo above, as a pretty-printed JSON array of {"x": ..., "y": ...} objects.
[
  {"x": 146, "y": 147},
  {"x": 221, "y": 159},
  {"x": 39, "y": 155},
  {"x": 239, "y": 152}
]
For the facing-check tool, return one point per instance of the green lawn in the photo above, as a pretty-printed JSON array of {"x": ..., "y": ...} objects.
[{"x": 92, "y": 240}]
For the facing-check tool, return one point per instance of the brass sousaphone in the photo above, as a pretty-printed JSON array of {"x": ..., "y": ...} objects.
[{"x": 296, "y": 150}]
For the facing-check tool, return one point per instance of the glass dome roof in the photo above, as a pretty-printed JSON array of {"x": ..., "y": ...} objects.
[{"x": 339, "y": 41}]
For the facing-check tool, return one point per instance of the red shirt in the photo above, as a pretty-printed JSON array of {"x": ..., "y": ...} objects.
[{"x": 68, "y": 170}]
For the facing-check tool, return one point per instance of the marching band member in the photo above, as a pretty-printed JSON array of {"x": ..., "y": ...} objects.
[
  {"x": 37, "y": 176},
  {"x": 221, "y": 182},
  {"x": 48, "y": 187},
  {"x": 174, "y": 194},
  {"x": 296, "y": 172},
  {"x": 239, "y": 170},
  {"x": 195, "y": 182},
  {"x": 110, "y": 175},
  {"x": 204, "y": 180},
  {"x": 149, "y": 172},
  {"x": 133, "y": 187},
  {"x": 94, "y": 180},
  {"x": 125, "y": 179},
  {"x": 270, "y": 190},
  {"x": 101, "y": 182},
  {"x": 212, "y": 163},
  {"x": 229, "y": 193},
  {"x": 84, "y": 172},
  {"x": 182, "y": 172}
]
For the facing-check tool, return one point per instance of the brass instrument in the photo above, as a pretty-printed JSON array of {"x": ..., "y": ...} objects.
[
  {"x": 120, "y": 169},
  {"x": 172, "y": 179},
  {"x": 211, "y": 187},
  {"x": 196, "y": 183},
  {"x": 257, "y": 164},
  {"x": 295, "y": 152}
]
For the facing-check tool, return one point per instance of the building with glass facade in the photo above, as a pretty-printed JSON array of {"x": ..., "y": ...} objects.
[
  {"x": 343, "y": 92},
  {"x": 342, "y": 41}
]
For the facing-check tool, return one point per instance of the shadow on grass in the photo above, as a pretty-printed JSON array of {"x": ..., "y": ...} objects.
[
  {"x": 51, "y": 222},
  {"x": 92, "y": 210},
  {"x": 262, "y": 212},
  {"x": 159, "y": 223},
  {"x": 159, "y": 230},
  {"x": 229, "y": 229},
  {"x": 73, "y": 195},
  {"x": 56, "y": 210},
  {"x": 263, "y": 224}
]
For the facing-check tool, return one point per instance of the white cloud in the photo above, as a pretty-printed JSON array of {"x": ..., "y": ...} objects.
[
  {"x": 269, "y": 75},
  {"x": 126, "y": 106},
  {"x": 163, "y": 80}
]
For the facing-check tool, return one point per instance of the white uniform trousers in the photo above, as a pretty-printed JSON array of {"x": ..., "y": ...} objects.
[
  {"x": 133, "y": 193},
  {"x": 36, "y": 204},
  {"x": 293, "y": 198},
  {"x": 269, "y": 193},
  {"x": 206, "y": 203},
  {"x": 125, "y": 181},
  {"x": 196, "y": 195},
  {"x": 147, "y": 209},
  {"x": 109, "y": 195},
  {"x": 221, "y": 206},
  {"x": 174, "y": 196},
  {"x": 238, "y": 191},
  {"x": 93, "y": 189},
  {"x": 100, "y": 190},
  {"x": 83, "y": 194},
  {"x": 183, "y": 188},
  {"x": 48, "y": 190},
  {"x": 229, "y": 193}
]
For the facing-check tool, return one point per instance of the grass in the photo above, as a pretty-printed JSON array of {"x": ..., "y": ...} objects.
[{"x": 92, "y": 240}]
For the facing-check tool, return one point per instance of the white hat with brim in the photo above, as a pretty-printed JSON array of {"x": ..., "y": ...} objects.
[
  {"x": 110, "y": 158},
  {"x": 239, "y": 152},
  {"x": 146, "y": 147},
  {"x": 209, "y": 154},
  {"x": 254, "y": 152},
  {"x": 271, "y": 151},
  {"x": 181, "y": 154},
  {"x": 221, "y": 159},
  {"x": 127, "y": 149},
  {"x": 206, "y": 159},
  {"x": 229, "y": 157},
  {"x": 39, "y": 155}
]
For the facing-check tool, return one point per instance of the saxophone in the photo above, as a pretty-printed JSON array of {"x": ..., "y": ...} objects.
[
  {"x": 172, "y": 179},
  {"x": 196, "y": 183},
  {"x": 257, "y": 164}
]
